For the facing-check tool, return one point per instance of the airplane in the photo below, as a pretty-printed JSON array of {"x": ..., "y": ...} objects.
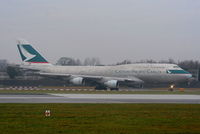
[{"x": 103, "y": 77}]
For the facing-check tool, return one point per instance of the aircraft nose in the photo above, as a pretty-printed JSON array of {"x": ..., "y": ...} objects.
[{"x": 189, "y": 75}]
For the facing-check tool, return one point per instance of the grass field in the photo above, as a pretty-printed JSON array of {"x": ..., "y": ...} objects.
[{"x": 100, "y": 119}]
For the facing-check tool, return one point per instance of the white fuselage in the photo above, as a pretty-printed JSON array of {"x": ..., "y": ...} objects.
[{"x": 152, "y": 73}]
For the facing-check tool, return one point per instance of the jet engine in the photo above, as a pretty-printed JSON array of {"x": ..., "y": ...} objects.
[
  {"x": 77, "y": 81},
  {"x": 112, "y": 84}
]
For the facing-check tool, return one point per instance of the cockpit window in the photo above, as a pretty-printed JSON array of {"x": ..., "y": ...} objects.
[{"x": 177, "y": 72}]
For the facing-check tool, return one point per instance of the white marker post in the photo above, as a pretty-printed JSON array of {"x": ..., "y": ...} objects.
[{"x": 47, "y": 113}]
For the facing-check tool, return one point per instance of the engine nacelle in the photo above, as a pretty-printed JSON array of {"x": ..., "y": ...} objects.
[
  {"x": 112, "y": 84},
  {"x": 77, "y": 81}
]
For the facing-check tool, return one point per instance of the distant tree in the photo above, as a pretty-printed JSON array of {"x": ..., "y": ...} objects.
[
  {"x": 147, "y": 61},
  {"x": 92, "y": 62},
  {"x": 67, "y": 61},
  {"x": 12, "y": 72},
  {"x": 124, "y": 62},
  {"x": 163, "y": 61},
  {"x": 189, "y": 64},
  {"x": 171, "y": 61},
  {"x": 78, "y": 62},
  {"x": 150, "y": 61},
  {"x": 3, "y": 65}
]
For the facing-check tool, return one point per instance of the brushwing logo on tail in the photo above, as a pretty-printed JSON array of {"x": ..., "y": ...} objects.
[
  {"x": 30, "y": 55},
  {"x": 26, "y": 54}
]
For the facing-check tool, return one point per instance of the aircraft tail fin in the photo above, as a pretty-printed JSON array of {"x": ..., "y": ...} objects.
[{"x": 29, "y": 54}]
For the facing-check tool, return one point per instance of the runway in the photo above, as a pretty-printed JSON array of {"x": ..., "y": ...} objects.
[{"x": 98, "y": 98}]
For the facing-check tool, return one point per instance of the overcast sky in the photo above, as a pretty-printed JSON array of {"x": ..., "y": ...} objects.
[{"x": 112, "y": 30}]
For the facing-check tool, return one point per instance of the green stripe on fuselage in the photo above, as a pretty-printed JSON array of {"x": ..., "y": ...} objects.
[{"x": 177, "y": 72}]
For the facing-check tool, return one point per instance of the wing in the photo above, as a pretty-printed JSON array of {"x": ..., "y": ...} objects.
[{"x": 91, "y": 78}]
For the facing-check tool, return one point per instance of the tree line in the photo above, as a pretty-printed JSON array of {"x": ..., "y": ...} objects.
[
  {"x": 185, "y": 64},
  {"x": 68, "y": 61}
]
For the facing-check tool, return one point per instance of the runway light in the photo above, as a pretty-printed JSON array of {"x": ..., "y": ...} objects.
[
  {"x": 171, "y": 88},
  {"x": 47, "y": 113}
]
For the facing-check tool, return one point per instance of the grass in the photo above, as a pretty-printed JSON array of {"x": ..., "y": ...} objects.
[{"x": 100, "y": 119}]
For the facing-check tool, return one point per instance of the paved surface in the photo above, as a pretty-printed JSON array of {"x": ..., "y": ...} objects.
[
  {"x": 98, "y": 98},
  {"x": 70, "y": 89}
]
